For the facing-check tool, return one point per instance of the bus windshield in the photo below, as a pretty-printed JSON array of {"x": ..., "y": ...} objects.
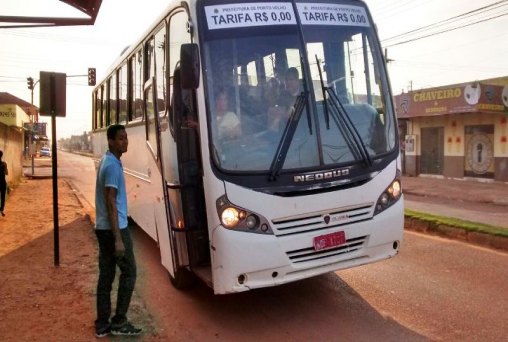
[{"x": 294, "y": 86}]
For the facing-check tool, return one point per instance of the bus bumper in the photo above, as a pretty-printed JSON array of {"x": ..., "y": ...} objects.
[{"x": 248, "y": 261}]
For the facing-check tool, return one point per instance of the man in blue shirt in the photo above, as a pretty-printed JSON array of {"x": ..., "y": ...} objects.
[{"x": 115, "y": 244}]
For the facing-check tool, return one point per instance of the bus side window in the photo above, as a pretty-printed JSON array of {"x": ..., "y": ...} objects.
[
  {"x": 112, "y": 99},
  {"x": 160, "y": 69},
  {"x": 122, "y": 94},
  {"x": 136, "y": 66},
  {"x": 178, "y": 35},
  {"x": 105, "y": 96}
]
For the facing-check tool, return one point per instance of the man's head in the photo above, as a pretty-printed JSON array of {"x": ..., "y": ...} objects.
[
  {"x": 1, "y": 154},
  {"x": 292, "y": 81},
  {"x": 222, "y": 101},
  {"x": 117, "y": 139}
]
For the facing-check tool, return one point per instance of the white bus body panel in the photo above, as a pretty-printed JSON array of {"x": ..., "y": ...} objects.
[
  {"x": 144, "y": 187},
  {"x": 141, "y": 189},
  {"x": 267, "y": 260}
]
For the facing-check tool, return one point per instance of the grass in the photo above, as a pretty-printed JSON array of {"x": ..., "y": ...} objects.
[{"x": 457, "y": 223}]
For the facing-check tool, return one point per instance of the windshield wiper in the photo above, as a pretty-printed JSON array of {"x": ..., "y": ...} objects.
[
  {"x": 343, "y": 122},
  {"x": 287, "y": 136}
]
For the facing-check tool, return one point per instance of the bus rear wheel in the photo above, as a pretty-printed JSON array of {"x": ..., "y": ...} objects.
[{"x": 182, "y": 279}]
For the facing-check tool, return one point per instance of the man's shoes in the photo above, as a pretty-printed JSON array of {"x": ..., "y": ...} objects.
[
  {"x": 102, "y": 332},
  {"x": 126, "y": 329}
]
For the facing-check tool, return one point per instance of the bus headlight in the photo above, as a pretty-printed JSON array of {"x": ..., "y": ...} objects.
[
  {"x": 391, "y": 195},
  {"x": 229, "y": 217},
  {"x": 233, "y": 217}
]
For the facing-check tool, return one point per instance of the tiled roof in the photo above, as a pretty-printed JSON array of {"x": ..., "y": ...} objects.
[{"x": 6, "y": 98}]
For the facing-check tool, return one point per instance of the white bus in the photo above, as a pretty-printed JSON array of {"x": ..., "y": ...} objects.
[{"x": 245, "y": 177}]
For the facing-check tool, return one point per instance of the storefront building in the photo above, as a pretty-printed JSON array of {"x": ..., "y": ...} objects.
[
  {"x": 13, "y": 115},
  {"x": 455, "y": 131},
  {"x": 21, "y": 116}
]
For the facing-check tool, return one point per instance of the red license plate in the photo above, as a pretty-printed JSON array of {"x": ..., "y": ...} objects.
[{"x": 329, "y": 240}]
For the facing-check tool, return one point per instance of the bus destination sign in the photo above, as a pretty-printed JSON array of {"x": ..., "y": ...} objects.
[
  {"x": 332, "y": 14},
  {"x": 281, "y": 13},
  {"x": 249, "y": 14}
]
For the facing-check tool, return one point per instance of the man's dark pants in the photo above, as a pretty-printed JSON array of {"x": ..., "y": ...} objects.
[
  {"x": 3, "y": 190},
  {"x": 107, "y": 269}
]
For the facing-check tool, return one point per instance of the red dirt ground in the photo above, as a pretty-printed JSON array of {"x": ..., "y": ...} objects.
[{"x": 41, "y": 302}]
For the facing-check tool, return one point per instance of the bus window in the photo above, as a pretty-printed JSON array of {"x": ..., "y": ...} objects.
[
  {"x": 104, "y": 96},
  {"x": 150, "y": 65},
  {"x": 151, "y": 133},
  {"x": 178, "y": 35},
  {"x": 99, "y": 107},
  {"x": 112, "y": 100},
  {"x": 136, "y": 65},
  {"x": 122, "y": 94},
  {"x": 160, "y": 69},
  {"x": 94, "y": 102},
  {"x": 96, "y": 108}
]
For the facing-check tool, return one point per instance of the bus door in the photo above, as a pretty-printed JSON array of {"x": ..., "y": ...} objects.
[
  {"x": 155, "y": 112},
  {"x": 191, "y": 191}
]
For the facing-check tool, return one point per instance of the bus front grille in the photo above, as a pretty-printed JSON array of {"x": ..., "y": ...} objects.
[
  {"x": 310, "y": 254},
  {"x": 322, "y": 220}
]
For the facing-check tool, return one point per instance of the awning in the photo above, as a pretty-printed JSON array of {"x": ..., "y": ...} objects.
[{"x": 89, "y": 7}]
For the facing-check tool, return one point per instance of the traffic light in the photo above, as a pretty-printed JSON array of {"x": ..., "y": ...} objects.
[
  {"x": 30, "y": 83},
  {"x": 91, "y": 76}
]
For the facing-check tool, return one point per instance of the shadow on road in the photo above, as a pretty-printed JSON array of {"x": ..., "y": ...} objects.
[{"x": 322, "y": 308}]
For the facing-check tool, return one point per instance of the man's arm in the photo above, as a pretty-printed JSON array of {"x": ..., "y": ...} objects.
[
  {"x": 110, "y": 195},
  {"x": 5, "y": 169}
]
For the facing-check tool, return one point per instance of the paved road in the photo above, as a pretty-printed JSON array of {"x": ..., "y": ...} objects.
[
  {"x": 435, "y": 289},
  {"x": 80, "y": 171}
]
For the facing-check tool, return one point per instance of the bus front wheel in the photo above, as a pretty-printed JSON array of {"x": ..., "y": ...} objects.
[{"x": 182, "y": 279}]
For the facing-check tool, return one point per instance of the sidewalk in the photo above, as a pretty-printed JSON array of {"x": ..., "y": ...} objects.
[
  {"x": 467, "y": 190},
  {"x": 478, "y": 202},
  {"x": 471, "y": 200},
  {"x": 41, "y": 168}
]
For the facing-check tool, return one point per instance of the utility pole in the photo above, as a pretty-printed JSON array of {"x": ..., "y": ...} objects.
[{"x": 31, "y": 85}]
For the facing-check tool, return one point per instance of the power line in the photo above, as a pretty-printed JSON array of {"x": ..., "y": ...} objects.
[
  {"x": 447, "y": 30},
  {"x": 398, "y": 7},
  {"x": 477, "y": 11}
]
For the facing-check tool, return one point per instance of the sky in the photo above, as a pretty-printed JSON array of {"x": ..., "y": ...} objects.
[{"x": 476, "y": 51}]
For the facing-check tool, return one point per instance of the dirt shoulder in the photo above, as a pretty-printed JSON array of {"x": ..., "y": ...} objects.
[{"x": 41, "y": 302}]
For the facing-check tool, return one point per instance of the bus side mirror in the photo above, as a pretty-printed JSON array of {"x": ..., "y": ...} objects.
[{"x": 189, "y": 66}]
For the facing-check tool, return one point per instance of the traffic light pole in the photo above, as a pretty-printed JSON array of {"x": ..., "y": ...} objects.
[
  {"x": 56, "y": 238},
  {"x": 31, "y": 86}
]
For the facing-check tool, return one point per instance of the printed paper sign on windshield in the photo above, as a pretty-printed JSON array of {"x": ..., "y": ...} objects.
[
  {"x": 249, "y": 15},
  {"x": 332, "y": 14}
]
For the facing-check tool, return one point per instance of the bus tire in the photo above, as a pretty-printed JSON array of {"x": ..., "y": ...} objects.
[{"x": 182, "y": 279}]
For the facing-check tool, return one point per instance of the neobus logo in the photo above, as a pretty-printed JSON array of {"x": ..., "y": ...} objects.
[{"x": 316, "y": 176}]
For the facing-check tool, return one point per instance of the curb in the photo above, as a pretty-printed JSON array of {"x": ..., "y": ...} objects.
[
  {"x": 87, "y": 207},
  {"x": 496, "y": 242},
  {"x": 37, "y": 176}
]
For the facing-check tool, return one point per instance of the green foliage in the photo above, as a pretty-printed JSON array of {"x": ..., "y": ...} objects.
[{"x": 453, "y": 222}]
